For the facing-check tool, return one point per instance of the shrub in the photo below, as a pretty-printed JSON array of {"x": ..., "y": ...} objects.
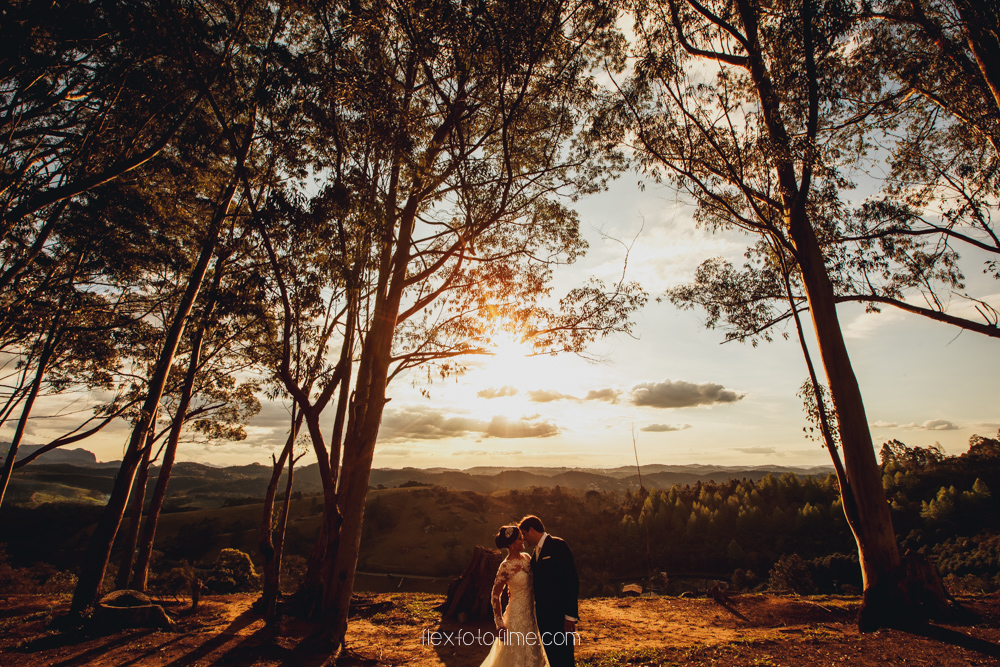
[
  {"x": 743, "y": 581},
  {"x": 39, "y": 578},
  {"x": 831, "y": 573},
  {"x": 233, "y": 572},
  {"x": 791, "y": 573},
  {"x": 175, "y": 581}
]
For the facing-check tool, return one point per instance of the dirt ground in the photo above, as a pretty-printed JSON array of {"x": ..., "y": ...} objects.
[{"x": 396, "y": 629}]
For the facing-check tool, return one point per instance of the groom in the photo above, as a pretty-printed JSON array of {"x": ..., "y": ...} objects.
[{"x": 556, "y": 590}]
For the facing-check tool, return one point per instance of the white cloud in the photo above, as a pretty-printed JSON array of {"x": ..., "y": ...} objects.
[
  {"x": 664, "y": 428},
  {"x": 494, "y": 392},
  {"x": 756, "y": 450},
  {"x": 607, "y": 394},
  {"x": 883, "y": 424},
  {"x": 939, "y": 425},
  {"x": 967, "y": 308},
  {"x": 932, "y": 425},
  {"x": 680, "y": 394},
  {"x": 548, "y": 395},
  {"x": 426, "y": 423},
  {"x": 666, "y": 227},
  {"x": 502, "y": 427},
  {"x": 866, "y": 324}
]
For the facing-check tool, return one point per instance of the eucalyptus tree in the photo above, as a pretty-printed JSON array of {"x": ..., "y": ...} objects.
[
  {"x": 204, "y": 396},
  {"x": 73, "y": 346},
  {"x": 740, "y": 104},
  {"x": 220, "y": 45},
  {"x": 445, "y": 137}
]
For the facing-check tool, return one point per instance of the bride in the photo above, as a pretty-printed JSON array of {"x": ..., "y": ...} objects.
[{"x": 518, "y": 643}]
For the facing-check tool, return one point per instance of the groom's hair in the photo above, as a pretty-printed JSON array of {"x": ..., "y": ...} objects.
[{"x": 532, "y": 521}]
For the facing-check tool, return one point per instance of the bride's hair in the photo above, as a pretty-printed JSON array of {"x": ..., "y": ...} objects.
[{"x": 506, "y": 536}]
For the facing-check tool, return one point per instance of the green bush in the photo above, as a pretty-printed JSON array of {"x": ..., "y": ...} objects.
[
  {"x": 233, "y": 572},
  {"x": 791, "y": 573},
  {"x": 41, "y": 577},
  {"x": 743, "y": 580}
]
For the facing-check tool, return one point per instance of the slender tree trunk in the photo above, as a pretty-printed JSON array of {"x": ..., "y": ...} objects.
[
  {"x": 273, "y": 575},
  {"x": 314, "y": 590},
  {"x": 885, "y": 600},
  {"x": 48, "y": 350},
  {"x": 270, "y": 549},
  {"x": 95, "y": 562},
  {"x": 22, "y": 422},
  {"x": 140, "y": 578},
  {"x": 846, "y": 494},
  {"x": 135, "y": 519},
  {"x": 359, "y": 449}
]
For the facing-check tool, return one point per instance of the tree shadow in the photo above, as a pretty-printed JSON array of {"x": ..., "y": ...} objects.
[
  {"x": 277, "y": 645},
  {"x": 461, "y": 644},
  {"x": 153, "y": 650},
  {"x": 73, "y": 637},
  {"x": 956, "y": 638},
  {"x": 232, "y": 630}
]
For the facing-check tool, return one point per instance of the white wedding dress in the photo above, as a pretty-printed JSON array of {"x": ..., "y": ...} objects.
[{"x": 523, "y": 647}]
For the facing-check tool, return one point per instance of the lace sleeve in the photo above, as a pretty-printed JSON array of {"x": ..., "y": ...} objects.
[{"x": 503, "y": 576}]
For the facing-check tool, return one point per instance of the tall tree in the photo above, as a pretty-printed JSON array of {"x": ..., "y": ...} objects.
[
  {"x": 212, "y": 38},
  {"x": 446, "y": 132},
  {"x": 738, "y": 103}
]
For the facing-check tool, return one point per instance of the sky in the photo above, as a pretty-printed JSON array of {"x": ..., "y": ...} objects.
[
  {"x": 687, "y": 396},
  {"x": 683, "y": 394}
]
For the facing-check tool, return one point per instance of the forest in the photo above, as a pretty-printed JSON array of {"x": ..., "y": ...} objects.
[
  {"x": 210, "y": 205},
  {"x": 781, "y": 533}
]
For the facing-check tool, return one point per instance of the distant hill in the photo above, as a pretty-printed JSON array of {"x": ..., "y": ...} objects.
[
  {"x": 77, "y": 476},
  {"x": 489, "y": 478},
  {"x": 80, "y": 457}
]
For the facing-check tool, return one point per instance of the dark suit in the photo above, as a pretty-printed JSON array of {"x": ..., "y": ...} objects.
[{"x": 557, "y": 588}]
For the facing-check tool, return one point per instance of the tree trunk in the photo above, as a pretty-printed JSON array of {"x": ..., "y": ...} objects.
[
  {"x": 48, "y": 350},
  {"x": 846, "y": 494},
  {"x": 29, "y": 402},
  {"x": 140, "y": 578},
  {"x": 885, "y": 600},
  {"x": 95, "y": 561},
  {"x": 273, "y": 575},
  {"x": 135, "y": 520},
  {"x": 470, "y": 597},
  {"x": 359, "y": 449},
  {"x": 270, "y": 548}
]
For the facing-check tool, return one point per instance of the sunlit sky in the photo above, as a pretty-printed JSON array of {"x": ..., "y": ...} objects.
[{"x": 688, "y": 397}]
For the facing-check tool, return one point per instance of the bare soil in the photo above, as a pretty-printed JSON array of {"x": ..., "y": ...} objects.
[{"x": 395, "y": 629}]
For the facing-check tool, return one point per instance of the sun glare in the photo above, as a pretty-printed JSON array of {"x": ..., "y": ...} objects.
[
  {"x": 511, "y": 363},
  {"x": 509, "y": 348}
]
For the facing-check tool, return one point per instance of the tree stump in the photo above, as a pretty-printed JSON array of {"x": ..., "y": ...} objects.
[
  {"x": 469, "y": 595},
  {"x": 129, "y": 609}
]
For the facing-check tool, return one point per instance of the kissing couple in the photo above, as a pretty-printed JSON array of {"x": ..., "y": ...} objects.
[{"x": 538, "y": 628}]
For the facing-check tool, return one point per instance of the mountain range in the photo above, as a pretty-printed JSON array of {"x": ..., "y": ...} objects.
[{"x": 77, "y": 475}]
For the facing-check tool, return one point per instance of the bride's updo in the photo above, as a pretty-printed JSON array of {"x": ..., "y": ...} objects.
[{"x": 507, "y": 536}]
